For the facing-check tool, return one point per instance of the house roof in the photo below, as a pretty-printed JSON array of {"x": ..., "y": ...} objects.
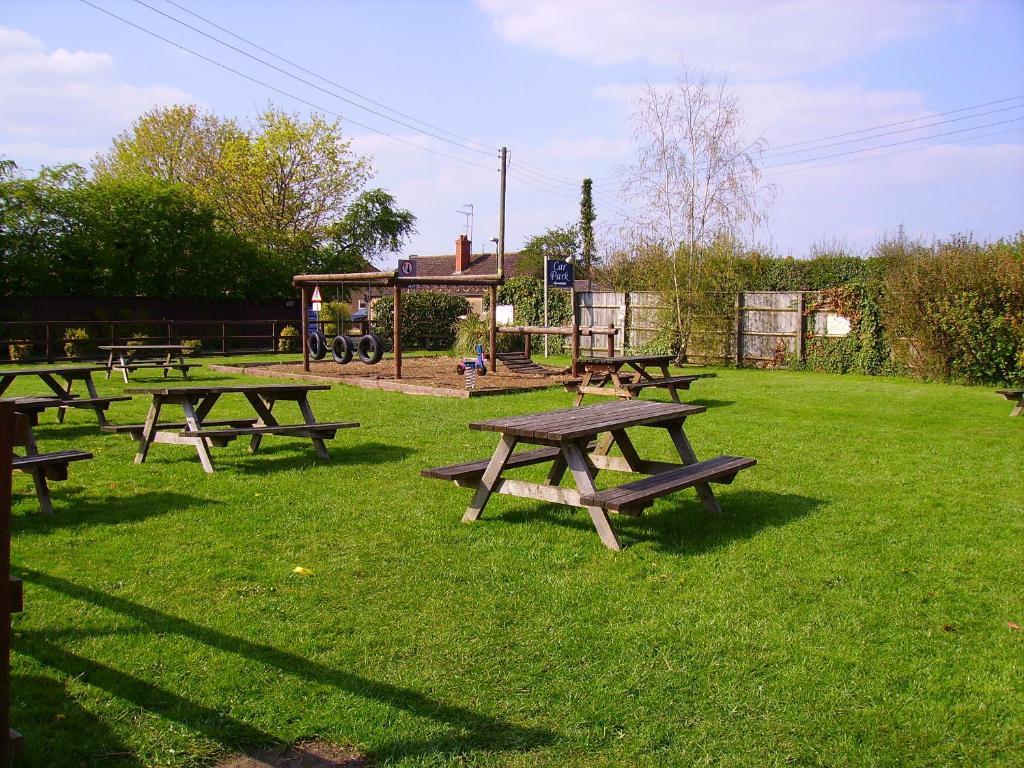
[{"x": 481, "y": 264}]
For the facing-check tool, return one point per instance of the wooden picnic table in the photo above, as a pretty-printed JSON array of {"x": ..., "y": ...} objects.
[
  {"x": 600, "y": 372},
  {"x": 200, "y": 432},
  {"x": 63, "y": 397},
  {"x": 42, "y": 466},
  {"x": 566, "y": 437},
  {"x": 131, "y": 357},
  {"x": 1014, "y": 395}
]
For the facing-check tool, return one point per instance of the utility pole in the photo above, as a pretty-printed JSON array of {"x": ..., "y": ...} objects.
[{"x": 501, "y": 214}]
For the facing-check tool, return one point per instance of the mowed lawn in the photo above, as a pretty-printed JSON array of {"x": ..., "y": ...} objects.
[{"x": 851, "y": 606}]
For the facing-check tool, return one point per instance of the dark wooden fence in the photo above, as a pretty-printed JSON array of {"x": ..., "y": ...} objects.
[{"x": 44, "y": 340}]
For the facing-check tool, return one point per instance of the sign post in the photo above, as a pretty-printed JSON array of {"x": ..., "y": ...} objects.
[{"x": 557, "y": 273}]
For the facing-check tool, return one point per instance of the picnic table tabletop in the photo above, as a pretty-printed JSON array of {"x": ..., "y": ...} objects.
[
  {"x": 53, "y": 370},
  {"x": 628, "y": 360},
  {"x": 124, "y": 347},
  {"x": 200, "y": 390},
  {"x": 577, "y": 423}
]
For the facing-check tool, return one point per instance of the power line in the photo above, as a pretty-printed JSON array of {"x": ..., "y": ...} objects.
[
  {"x": 279, "y": 90},
  {"x": 885, "y": 154},
  {"x": 310, "y": 84},
  {"x": 900, "y": 122},
  {"x": 773, "y": 154},
  {"x": 326, "y": 79},
  {"x": 895, "y": 143}
]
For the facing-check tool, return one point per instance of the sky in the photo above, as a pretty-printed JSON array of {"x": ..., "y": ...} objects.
[{"x": 928, "y": 98}]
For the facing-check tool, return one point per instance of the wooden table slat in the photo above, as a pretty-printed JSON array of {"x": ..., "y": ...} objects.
[{"x": 224, "y": 390}]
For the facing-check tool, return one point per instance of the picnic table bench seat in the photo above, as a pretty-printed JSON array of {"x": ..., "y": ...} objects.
[
  {"x": 470, "y": 472},
  {"x": 54, "y": 464},
  {"x": 156, "y": 364},
  {"x": 322, "y": 429},
  {"x": 680, "y": 382},
  {"x": 1014, "y": 395},
  {"x": 634, "y": 496},
  {"x": 136, "y": 429}
]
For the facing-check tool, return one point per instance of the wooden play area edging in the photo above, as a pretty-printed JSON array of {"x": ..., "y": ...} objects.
[{"x": 390, "y": 385}]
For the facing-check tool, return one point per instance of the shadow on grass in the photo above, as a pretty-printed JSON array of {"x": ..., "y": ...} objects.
[
  {"x": 72, "y": 510},
  {"x": 57, "y": 730},
  {"x": 680, "y": 524},
  {"x": 469, "y": 730},
  {"x": 301, "y": 456},
  {"x": 54, "y": 431},
  {"x": 710, "y": 403}
]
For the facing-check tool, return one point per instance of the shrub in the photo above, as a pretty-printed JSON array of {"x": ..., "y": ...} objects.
[
  {"x": 75, "y": 342},
  {"x": 192, "y": 347},
  {"x": 526, "y": 295},
  {"x": 957, "y": 312},
  {"x": 137, "y": 339},
  {"x": 428, "y": 319},
  {"x": 473, "y": 329},
  {"x": 335, "y": 316},
  {"x": 19, "y": 351},
  {"x": 288, "y": 339}
]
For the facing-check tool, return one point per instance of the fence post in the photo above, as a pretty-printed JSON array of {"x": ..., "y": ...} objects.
[
  {"x": 739, "y": 329},
  {"x": 801, "y": 308},
  {"x": 273, "y": 335},
  {"x": 625, "y": 321},
  {"x": 46, "y": 351},
  {"x": 224, "y": 338},
  {"x": 170, "y": 325},
  {"x": 528, "y": 350}
]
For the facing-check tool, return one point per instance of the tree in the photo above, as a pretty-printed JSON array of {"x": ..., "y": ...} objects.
[
  {"x": 587, "y": 217},
  {"x": 371, "y": 227},
  {"x": 556, "y": 242},
  {"x": 698, "y": 178}
]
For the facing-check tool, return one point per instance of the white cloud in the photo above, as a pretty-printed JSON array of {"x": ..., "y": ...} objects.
[
  {"x": 744, "y": 38},
  {"x": 60, "y": 105}
]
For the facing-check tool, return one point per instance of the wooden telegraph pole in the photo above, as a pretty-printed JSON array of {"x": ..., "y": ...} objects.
[
  {"x": 10, "y": 595},
  {"x": 501, "y": 263}
]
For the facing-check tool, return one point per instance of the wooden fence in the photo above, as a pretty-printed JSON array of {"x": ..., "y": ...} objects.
[
  {"x": 761, "y": 327},
  {"x": 44, "y": 340}
]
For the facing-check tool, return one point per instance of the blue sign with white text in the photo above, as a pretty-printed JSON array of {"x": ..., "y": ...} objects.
[{"x": 559, "y": 274}]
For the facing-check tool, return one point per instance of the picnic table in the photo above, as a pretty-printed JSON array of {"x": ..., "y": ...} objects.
[
  {"x": 131, "y": 357},
  {"x": 42, "y": 466},
  {"x": 1016, "y": 395},
  {"x": 63, "y": 397},
  {"x": 599, "y": 372},
  {"x": 569, "y": 443},
  {"x": 200, "y": 432}
]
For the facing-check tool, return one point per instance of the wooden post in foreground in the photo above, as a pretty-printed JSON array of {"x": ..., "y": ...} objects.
[
  {"x": 305, "y": 329},
  {"x": 10, "y": 594},
  {"x": 396, "y": 322},
  {"x": 801, "y": 308},
  {"x": 493, "y": 355}
]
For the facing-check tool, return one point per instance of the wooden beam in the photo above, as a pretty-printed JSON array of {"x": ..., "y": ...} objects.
[
  {"x": 344, "y": 277},
  {"x": 484, "y": 280},
  {"x": 397, "y": 331},
  {"x": 305, "y": 329},
  {"x": 493, "y": 355}
]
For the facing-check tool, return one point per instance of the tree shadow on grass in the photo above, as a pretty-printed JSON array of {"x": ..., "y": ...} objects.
[
  {"x": 709, "y": 403},
  {"x": 73, "y": 509},
  {"x": 467, "y": 730},
  {"x": 52, "y": 431},
  {"x": 301, "y": 456},
  {"x": 679, "y": 524},
  {"x": 57, "y": 730}
]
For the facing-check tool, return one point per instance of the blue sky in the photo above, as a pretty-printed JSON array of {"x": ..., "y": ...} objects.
[{"x": 554, "y": 82}]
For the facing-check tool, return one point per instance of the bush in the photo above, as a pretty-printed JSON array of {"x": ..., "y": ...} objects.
[
  {"x": 75, "y": 342},
  {"x": 473, "y": 329},
  {"x": 526, "y": 295},
  {"x": 335, "y": 316},
  {"x": 192, "y": 347},
  {"x": 428, "y": 319},
  {"x": 288, "y": 339},
  {"x": 19, "y": 351},
  {"x": 957, "y": 312},
  {"x": 138, "y": 339}
]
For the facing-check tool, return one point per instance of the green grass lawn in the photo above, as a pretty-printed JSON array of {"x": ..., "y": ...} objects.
[{"x": 849, "y": 607}]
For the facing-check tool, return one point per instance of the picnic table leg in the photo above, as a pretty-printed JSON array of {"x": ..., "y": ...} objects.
[
  {"x": 583, "y": 476},
  {"x": 167, "y": 364},
  {"x": 5, "y": 382},
  {"x": 557, "y": 471},
  {"x": 38, "y": 474},
  {"x": 490, "y": 477},
  {"x": 629, "y": 453},
  {"x": 686, "y": 453},
  {"x": 266, "y": 417},
  {"x": 195, "y": 424},
  {"x": 63, "y": 392},
  {"x": 1020, "y": 407},
  {"x": 124, "y": 360},
  {"x": 584, "y": 382},
  {"x": 307, "y": 416},
  {"x": 181, "y": 361},
  {"x": 91, "y": 389},
  {"x": 149, "y": 430},
  {"x": 110, "y": 363}
]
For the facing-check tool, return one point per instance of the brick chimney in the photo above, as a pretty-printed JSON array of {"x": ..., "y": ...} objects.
[{"x": 463, "y": 254}]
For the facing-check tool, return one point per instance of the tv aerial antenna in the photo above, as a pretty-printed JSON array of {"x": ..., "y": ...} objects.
[{"x": 469, "y": 219}]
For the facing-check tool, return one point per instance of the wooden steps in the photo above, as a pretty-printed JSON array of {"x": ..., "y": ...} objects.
[{"x": 518, "y": 362}]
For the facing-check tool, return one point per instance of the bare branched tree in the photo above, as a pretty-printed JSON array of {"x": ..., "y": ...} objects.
[{"x": 697, "y": 178}]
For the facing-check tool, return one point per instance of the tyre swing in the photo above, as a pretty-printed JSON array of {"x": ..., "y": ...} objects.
[{"x": 317, "y": 345}]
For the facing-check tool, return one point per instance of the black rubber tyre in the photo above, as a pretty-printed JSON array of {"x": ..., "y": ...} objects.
[
  {"x": 341, "y": 349},
  {"x": 317, "y": 345},
  {"x": 371, "y": 349}
]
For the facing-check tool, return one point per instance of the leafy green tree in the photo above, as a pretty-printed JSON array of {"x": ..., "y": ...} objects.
[
  {"x": 372, "y": 226},
  {"x": 587, "y": 217},
  {"x": 556, "y": 242}
]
